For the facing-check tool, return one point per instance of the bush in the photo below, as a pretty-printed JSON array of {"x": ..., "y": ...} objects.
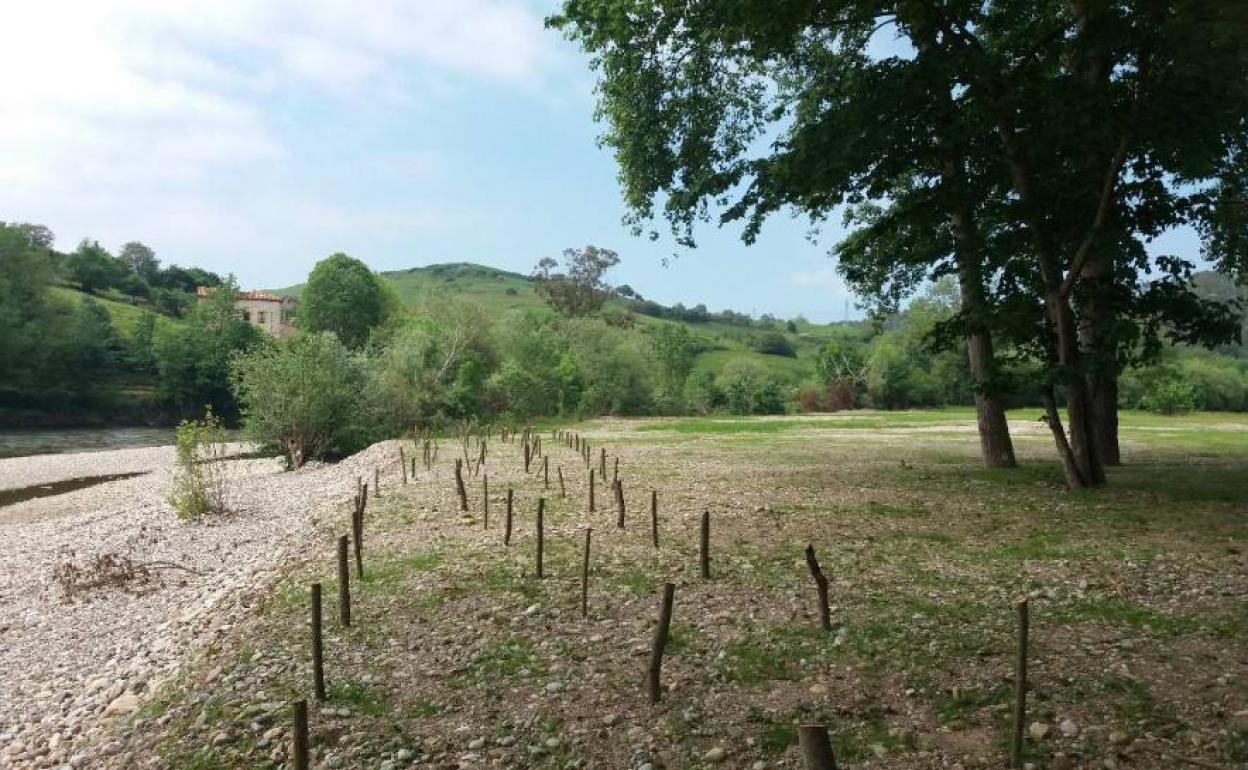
[
  {"x": 303, "y": 394},
  {"x": 201, "y": 484},
  {"x": 749, "y": 388},
  {"x": 775, "y": 344},
  {"x": 1169, "y": 395}
]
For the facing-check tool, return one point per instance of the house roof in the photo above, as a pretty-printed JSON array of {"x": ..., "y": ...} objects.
[{"x": 255, "y": 296}]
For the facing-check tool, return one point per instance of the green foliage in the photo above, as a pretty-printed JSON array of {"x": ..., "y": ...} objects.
[
  {"x": 615, "y": 375},
  {"x": 1167, "y": 393},
  {"x": 301, "y": 394},
  {"x": 675, "y": 350},
  {"x": 774, "y": 344},
  {"x": 747, "y": 387},
  {"x": 93, "y": 268},
  {"x": 580, "y": 290},
  {"x": 344, "y": 297},
  {"x": 26, "y": 272},
  {"x": 201, "y": 483},
  {"x": 193, "y": 359}
]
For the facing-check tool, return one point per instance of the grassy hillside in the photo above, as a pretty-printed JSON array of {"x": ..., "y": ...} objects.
[
  {"x": 500, "y": 291},
  {"x": 125, "y": 316}
]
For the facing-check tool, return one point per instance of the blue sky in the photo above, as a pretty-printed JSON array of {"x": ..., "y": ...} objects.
[{"x": 258, "y": 138}]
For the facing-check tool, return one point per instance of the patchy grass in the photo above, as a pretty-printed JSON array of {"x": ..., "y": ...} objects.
[{"x": 1137, "y": 623}]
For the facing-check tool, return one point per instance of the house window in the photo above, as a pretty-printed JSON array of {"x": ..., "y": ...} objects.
[
  {"x": 247, "y": 315},
  {"x": 260, "y": 317}
]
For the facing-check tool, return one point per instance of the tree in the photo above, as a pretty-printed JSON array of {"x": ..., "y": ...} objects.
[
  {"x": 141, "y": 260},
  {"x": 93, "y": 268},
  {"x": 25, "y": 274},
  {"x": 344, "y": 297},
  {"x": 675, "y": 350},
  {"x": 1067, "y": 131},
  {"x": 580, "y": 290},
  {"x": 300, "y": 393},
  {"x": 193, "y": 358},
  {"x": 689, "y": 90},
  {"x": 95, "y": 349}
]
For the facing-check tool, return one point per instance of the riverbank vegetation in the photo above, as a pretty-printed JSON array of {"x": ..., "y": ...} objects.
[{"x": 465, "y": 342}]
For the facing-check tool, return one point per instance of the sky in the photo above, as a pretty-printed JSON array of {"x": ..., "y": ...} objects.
[{"x": 257, "y": 138}]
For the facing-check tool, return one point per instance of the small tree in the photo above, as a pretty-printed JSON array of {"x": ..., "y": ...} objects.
[
  {"x": 580, "y": 290},
  {"x": 301, "y": 394},
  {"x": 141, "y": 259},
  {"x": 201, "y": 482}
]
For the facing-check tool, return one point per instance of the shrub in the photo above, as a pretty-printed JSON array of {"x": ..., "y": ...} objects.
[
  {"x": 303, "y": 394},
  {"x": 201, "y": 483},
  {"x": 1169, "y": 395},
  {"x": 775, "y": 344},
  {"x": 748, "y": 388}
]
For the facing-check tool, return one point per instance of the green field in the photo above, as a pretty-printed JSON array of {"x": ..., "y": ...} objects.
[{"x": 1137, "y": 595}]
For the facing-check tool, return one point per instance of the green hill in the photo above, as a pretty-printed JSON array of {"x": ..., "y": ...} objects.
[{"x": 499, "y": 291}]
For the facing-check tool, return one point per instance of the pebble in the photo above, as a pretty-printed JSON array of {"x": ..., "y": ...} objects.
[
  {"x": 1068, "y": 728},
  {"x": 65, "y": 678},
  {"x": 1038, "y": 730},
  {"x": 716, "y": 754}
]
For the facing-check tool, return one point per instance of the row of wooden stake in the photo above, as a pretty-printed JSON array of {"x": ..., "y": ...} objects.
[{"x": 813, "y": 739}]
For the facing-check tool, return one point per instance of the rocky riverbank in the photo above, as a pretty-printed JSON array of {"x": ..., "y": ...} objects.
[{"x": 72, "y": 667}]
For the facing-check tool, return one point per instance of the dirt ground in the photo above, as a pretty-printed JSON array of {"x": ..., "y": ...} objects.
[{"x": 458, "y": 656}]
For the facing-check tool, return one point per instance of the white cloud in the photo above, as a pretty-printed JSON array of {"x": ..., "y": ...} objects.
[{"x": 161, "y": 118}]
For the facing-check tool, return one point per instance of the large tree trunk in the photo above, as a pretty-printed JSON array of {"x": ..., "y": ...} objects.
[
  {"x": 1103, "y": 393},
  {"x": 1087, "y": 460},
  {"x": 995, "y": 444}
]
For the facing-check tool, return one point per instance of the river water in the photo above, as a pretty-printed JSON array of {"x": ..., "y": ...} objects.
[{"x": 18, "y": 442}]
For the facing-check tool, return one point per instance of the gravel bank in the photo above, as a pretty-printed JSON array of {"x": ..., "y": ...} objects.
[{"x": 70, "y": 670}]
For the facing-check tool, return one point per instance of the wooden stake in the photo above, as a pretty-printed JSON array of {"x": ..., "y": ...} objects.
[
  {"x": 1020, "y": 686},
  {"x": 344, "y": 582},
  {"x": 563, "y": 492},
  {"x": 413, "y": 468},
  {"x": 507, "y": 525},
  {"x": 706, "y": 545},
  {"x": 821, "y": 585},
  {"x": 541, "y": 540},
  {"x": 485, "y": 500},
  {"x": 376, "y": 482},
  {"x": 615, "y": 473},
  {"x": 591, "y": 490},
  {"x": 602, "y": 463},
  {"x": 299, "y": 750},
  {"x": 403, "y": 465},
  {"x": 545, "y": 472},
  {"x": 619, "y": 504},
  {"x": 585, "y": 576},
  {"x": 459, "y": 485},
  {"x": 318, "y": 661},
  {"x": 654, "y": 517},
  {"x": 357, "y": 533},
  {"x": 660, "y": 643},
  {"x": 816, "y": 747}
]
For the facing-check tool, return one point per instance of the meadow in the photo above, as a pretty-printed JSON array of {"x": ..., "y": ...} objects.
[{"x": 459, "y": 657}]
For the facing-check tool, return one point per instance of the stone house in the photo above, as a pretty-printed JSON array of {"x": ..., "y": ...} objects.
[{"x": 268, "y": 312}]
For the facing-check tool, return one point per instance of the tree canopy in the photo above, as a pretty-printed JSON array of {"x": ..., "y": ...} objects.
[
  {"x": 580, "y": 289},
  {"x": 344, "y": 297}
]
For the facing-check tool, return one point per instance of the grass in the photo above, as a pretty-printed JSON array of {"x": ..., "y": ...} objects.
[{"x": 1135, "y": 614}]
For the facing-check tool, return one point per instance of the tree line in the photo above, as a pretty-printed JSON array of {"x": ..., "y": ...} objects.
[{"x": 363, "y": 367}]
